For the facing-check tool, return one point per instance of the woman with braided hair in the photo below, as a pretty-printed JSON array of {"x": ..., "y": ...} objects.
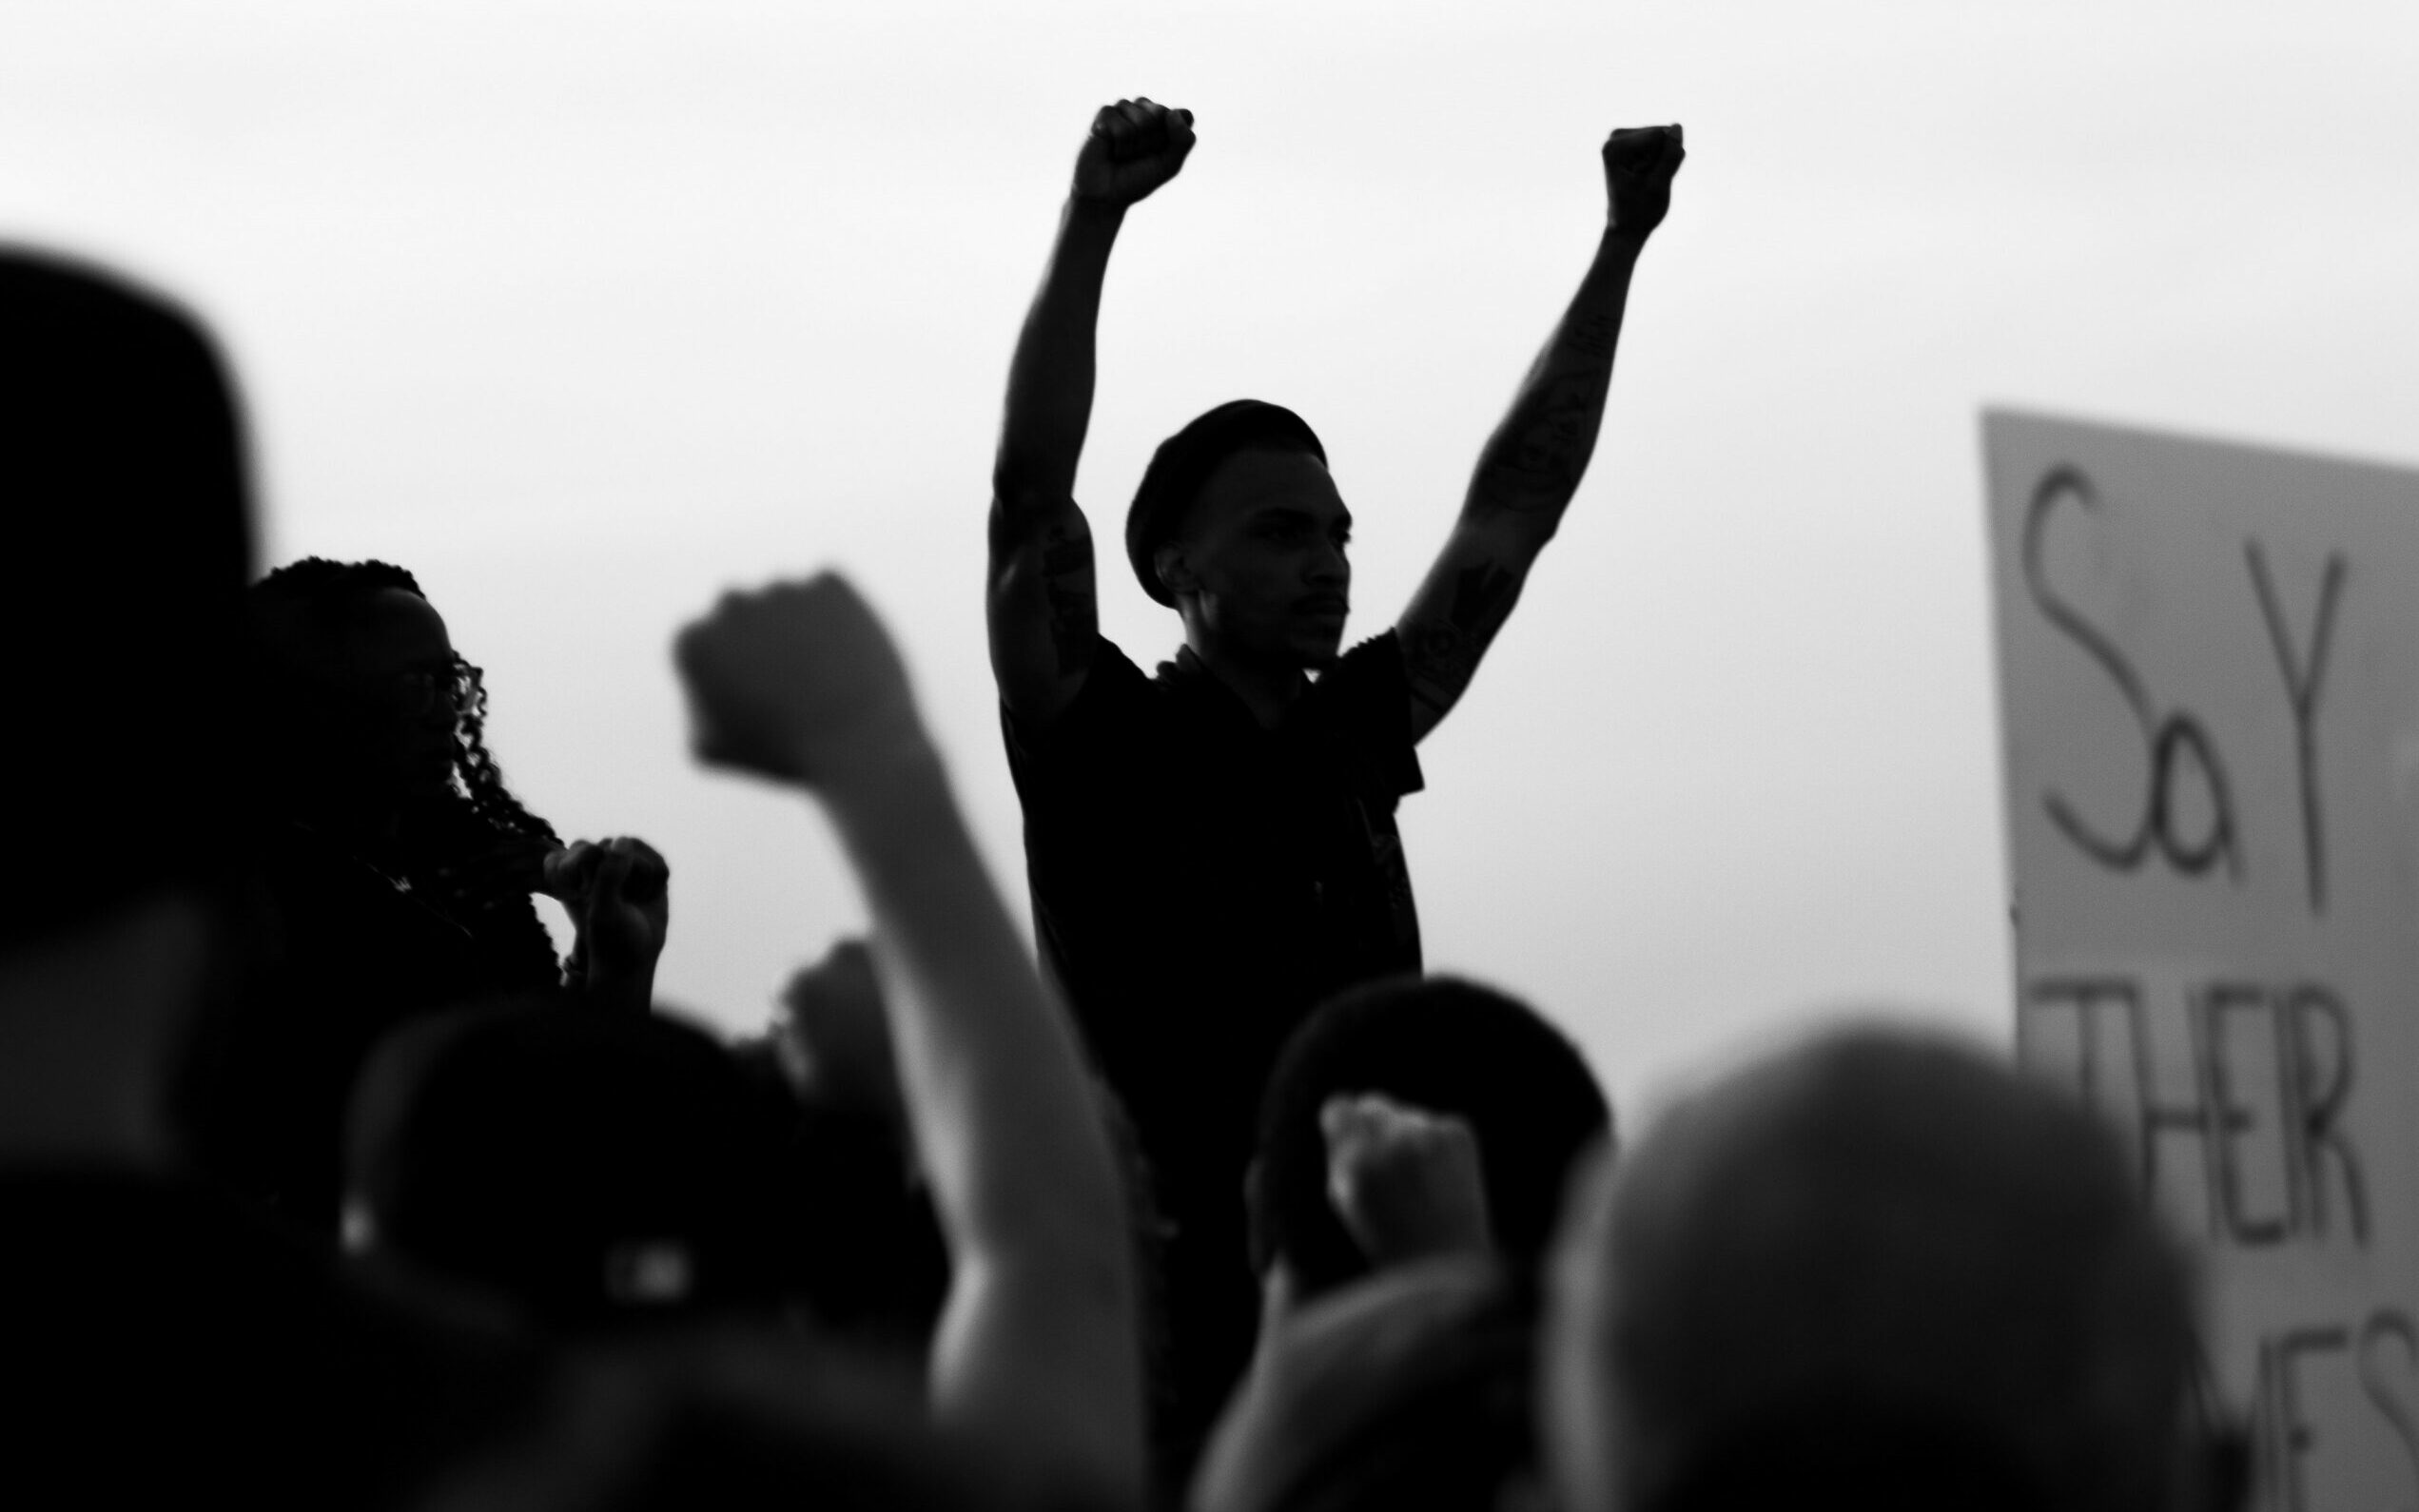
[{"x": 398, "y": 873}]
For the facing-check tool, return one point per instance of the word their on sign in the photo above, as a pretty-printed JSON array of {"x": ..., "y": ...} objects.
[{"x": 2305, "y": 1079}]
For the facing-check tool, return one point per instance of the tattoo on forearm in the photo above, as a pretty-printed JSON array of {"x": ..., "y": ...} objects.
[
  {"x": 1445, "y": 652},
  {"x": 1068, "y": 594},
  {"x": 1594, "y": 338},
  {"x": 1535, "y": 463}
]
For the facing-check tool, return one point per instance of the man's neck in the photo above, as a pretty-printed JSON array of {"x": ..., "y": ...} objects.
[
  {"x": 89, "y": 1026},
  {"x": 1267, "y": 688}
]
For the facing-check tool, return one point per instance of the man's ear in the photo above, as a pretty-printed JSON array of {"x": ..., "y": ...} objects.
[{"x": 1175, "y": 568}]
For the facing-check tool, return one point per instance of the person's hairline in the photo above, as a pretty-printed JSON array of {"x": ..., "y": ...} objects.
[
  {"x": 1339, "y": 1032},
  {"x": 1183, "y": 528}
]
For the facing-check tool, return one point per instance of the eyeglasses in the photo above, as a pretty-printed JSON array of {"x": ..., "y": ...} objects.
[{"x": 454, "y": 692}]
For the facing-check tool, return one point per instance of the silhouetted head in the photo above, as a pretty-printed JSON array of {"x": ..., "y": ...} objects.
[
  {"x": 372, "y": 709},
  {"x": 1444, "y": 1045},
  {"x": 1238, "y": 526},
  {"x": 593, "y": 1167},
  {"x": 1878, "y": 1270},
  {"x": 123, "y": 478}
]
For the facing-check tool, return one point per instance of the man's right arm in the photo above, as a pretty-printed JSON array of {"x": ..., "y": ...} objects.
[{"x": 1040, "y": 589}]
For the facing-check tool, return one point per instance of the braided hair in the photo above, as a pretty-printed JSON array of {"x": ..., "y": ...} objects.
[
  {"x": 327, "y": 597},
  {"x": 328, "y": 594}
]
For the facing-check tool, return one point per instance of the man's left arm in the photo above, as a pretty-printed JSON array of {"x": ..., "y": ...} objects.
[{"x": 1532, "y": 464}]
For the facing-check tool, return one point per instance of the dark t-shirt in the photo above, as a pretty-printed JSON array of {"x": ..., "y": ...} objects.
[
  {"x": 1200, "y": 884},
  {"x": 341, "y": 955}
]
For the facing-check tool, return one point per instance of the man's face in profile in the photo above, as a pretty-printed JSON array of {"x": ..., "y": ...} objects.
[{"x": 1266, "y": 541}]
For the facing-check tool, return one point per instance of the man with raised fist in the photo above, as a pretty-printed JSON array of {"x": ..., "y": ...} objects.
[{"x": 1213, "y": 851}]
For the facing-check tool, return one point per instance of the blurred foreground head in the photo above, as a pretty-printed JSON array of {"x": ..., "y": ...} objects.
[
  {"x": 593, "y": 1170},
  {"x": 1445, "y": 1046},
  {"x": 130, "y": 543},
  {"x": 1882, "y": 1271}
]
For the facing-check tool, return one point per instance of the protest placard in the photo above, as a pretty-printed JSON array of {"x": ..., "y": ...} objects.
[{"x": 2209, "y": 665}]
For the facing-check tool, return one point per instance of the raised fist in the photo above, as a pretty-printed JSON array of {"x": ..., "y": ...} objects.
[
  {"x": 1135, "y": 147},
  {"x": 796, "y": 681},
  {"x": 1639, "y": 162},
  {"x": 1406, "y": 1182},
  {"x": 619, "y": 895},
  {"x": 833, "y": 1038}
]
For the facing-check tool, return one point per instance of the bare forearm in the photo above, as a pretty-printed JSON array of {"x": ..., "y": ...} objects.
[
  {"x": 1049, "y": 404},
  {"x": 1037, "y": 1348},
  {"x": 1532, "y": 464},
  {"x": 984, "y": 1052}
]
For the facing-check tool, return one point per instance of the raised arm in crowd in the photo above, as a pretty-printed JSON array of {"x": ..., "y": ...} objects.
[
  {"x": 1043, "y": 592},
  {"x": 1037, "y": 1353},
  {"x": 1530, "y": 468}
]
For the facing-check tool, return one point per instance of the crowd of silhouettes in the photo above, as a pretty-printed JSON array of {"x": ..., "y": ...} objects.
[{"x": 326, "y": 1182}]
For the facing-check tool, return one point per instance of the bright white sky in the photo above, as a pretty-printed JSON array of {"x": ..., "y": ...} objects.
[{"x": 583, "y": 311}]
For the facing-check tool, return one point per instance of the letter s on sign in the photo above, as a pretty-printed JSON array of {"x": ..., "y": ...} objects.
[{"x": 2390, "y": 1388}]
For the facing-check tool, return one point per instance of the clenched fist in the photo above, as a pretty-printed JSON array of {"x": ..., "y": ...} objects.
[
  {"x": 796, "y": 681},
  {"x": 1406, "y": 1182},
  {"x": 1135, "y": 147},
  {"x": 834, "y": 1039},
  {"x": 619, "y": 895},
  {"x": 1639, "y": 162}
]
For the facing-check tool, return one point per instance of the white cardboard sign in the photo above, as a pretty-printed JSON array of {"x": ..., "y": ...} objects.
[{"x": 2208, "y": 666}]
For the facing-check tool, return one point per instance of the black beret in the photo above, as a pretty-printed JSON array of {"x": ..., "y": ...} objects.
[{"x": 1184, "y": 462}]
